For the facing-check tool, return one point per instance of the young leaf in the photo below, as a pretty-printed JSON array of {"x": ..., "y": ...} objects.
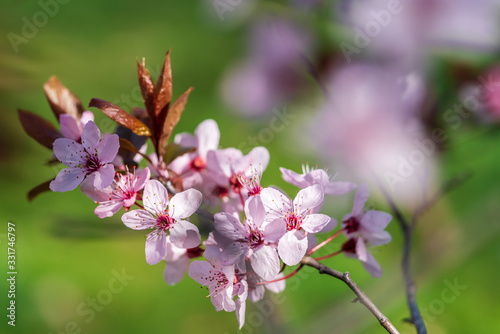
[
  {"x": 147, "y": 91},
  {"x": 173, "y": 116},
  {"x": 41, "y": 188},
  {"x": 173, "y": 151},
  {"x": 38, "y": 128},
  {"x": 163, "y": 89},
  {"x": 61, "y": 100},
  {"x": 121, "y": 117}
]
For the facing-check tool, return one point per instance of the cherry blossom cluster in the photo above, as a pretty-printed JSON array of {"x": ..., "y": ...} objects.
[{"x": 255, "y": 231}]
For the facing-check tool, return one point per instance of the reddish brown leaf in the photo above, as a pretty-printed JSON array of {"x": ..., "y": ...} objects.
[
  {"x": 127, "y": 146},
  {"x": 173, "y": 116},
  {"x": 38, "y": 128},
  {"x": 173, "y": 151},
  {"x": 121, "y": 117},
  {"x": 41, "y": 188},
  {"x": 163, "y": 89},
  {"x": 147, "y": 91},
  {"x": 61, "y": 100}
]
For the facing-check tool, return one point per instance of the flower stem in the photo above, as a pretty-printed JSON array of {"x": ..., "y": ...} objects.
[
  {"x": 321, "y": 244},
  {"x": 328, "y": 256}
]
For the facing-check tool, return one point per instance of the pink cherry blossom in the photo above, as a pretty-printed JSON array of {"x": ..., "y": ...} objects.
[
  {"x": 164, "y": 215},
  {"x": 369, "y": 225},
  {"x": 298, "y": 217},
  {"x": 178, "y": 260},
  {"x": 356, "y": 248},
  {"x": 229, "y": 165},
  {"x": 224, "y": 282},
  {"x": 192, "y": 167},
  {"x": 72, "y": 128},
  {"x": 122, "y": 193},
  {"x": 89, "y": 160},
  {"x": 312, "y": 176},
  {"x": 255, "y": 239}
]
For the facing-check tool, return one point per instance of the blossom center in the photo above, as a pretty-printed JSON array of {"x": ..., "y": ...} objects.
[
  {"x": 349, "y": 246},
  {"x": 255, "y": 238},
  {"x": 293, "y": 222},
  {"x": 235, "y": 183},
  {"x": 198, "y": 164},
  {"x": 92, "y": 164},
  {"x": 351, "y": 225},
  {"x": 164, "y": 221}
]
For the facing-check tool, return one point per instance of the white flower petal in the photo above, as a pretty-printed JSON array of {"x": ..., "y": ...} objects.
[
  {"x": 90, "y": 136},
  {"x": 184, "y": 204},
  {"x": 308, "y": 199},
  {"x": 266, "y": 263},
  {"x": 292, "y": 247},
  {"x": 183, "y": 234},
  {"x": 315, "y": 222},
  {"x": 155, "y": 197},
  {"x": 156, "y": 246},
  {"x": 138, "y": 220}
]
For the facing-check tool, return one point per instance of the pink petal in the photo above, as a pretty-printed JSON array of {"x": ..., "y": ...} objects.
[
  {"x": 155, "y": 197},
  {"x": 339, "y": 188},
  {"x": 141, "y": 178},
  {"x": 308, "y": 198},
  {"x": 67, "y": 179},
  {"x": 360, "y": 199},
  {"x": 108, "y": 148},
  {"x": 108, "y": 208},
  {"x": 234, "y": 253},
  {"x": 276, "y": 203},
  {"x": 97, "y": 195},
  {"x": 372, "y": 266},
  {"x": 86, "y": 117},
  {"x": 229, "y": 226},
  {"x": 90, "y": 136},
  {"x": 104, "y": 176},
  {"x": 183, "y": 234},
  {"x": 68, "y": 151},
  {"x": 175, "y": 270},
  {"x": 293, "y": 178},
  {"x": 292, "y": 247},
  {"x": 276, "y": 287},
  {"x": 315, "y": 222},
  {"x": 138, "y": 220},
  {"x": 273, "y": 231},
  {"x": 208, "y": 137},
  {"x": 240, "y": 305},
  {"x": 69, "y": 127},
  {"x": 258, "y": 157},
  {"x": 184, "y": 204},
  {"x": 186, "y": 140},
  {"x": 266, "y": 263},
  {"x": 254, "y": 211},
  {"x": 156, "y": 247},
  {"x": 200, "y": 271},
  {"x": 375, "y": 221},
  {"x": 379, "y": 238},
  {"x": 361, "y": 250}
]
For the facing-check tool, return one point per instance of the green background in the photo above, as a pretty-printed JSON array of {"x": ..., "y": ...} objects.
[{"x": 65, "y": 254}]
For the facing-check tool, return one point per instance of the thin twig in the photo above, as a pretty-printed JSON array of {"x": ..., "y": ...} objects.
[
  {"x": 416, "y": 317},
  {"x": 361, "y": 297}
]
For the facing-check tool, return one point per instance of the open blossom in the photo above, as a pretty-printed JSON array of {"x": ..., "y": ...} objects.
[
  {"x": 122, "y": 193},
  {"x": 362, "y": 228},
  {"x": 255, "y": 239},
  {"x": 223, "y": 281},
  {"x": 192, "y": 167},
  {"x": 165, "y": 216},
  {"x": 71, "y": 127},
  {"x": 229, "y": 166},
  {"x": 312, "y": 176},
  {"x": 299, "y": 219},
  {"x": 90, "y": 159}
]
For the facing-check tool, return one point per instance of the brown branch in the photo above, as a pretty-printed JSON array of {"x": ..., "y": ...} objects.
[{"x": 361, "y": 297}]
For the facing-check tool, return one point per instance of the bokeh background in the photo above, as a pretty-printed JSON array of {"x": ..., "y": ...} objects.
[{"x": 66, "y": 255}]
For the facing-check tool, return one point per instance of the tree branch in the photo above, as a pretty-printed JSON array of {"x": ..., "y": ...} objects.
[{"x": 361, "y": 297}]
